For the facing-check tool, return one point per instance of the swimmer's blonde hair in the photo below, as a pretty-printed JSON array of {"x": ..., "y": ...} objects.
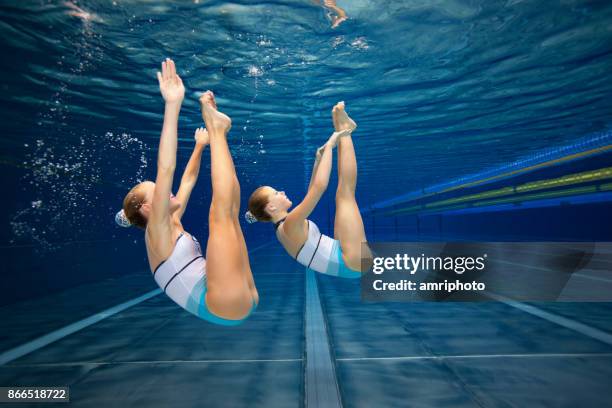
[
  {"x": 132, "y": 202},
  {"x": 257, "y": 205}
]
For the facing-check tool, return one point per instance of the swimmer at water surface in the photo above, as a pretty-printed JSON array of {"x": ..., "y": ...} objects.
[
  {"x": 220, "y": 287},
  {"x": 340, "y": 15}
]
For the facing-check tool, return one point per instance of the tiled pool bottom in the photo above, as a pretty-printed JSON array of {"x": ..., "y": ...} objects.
[
  {"x": 155, "y": 354},
  {"x": 464, "y": 354},
  {"x": 383, "y": 354}
]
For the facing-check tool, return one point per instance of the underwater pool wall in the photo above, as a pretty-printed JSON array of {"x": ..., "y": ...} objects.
[
  {"x": 562, "y": 194},
  {"x": 32, "y": 271}
]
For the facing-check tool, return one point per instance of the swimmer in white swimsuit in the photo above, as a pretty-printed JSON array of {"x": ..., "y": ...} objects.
[
  {"x": 343, "y": 255},
  {"x": 220, "y": 288}
]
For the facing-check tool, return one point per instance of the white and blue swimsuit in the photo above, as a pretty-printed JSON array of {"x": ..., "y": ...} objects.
[
  {"x": 322, "y": 254},
  {"x": 183, "y": 278}
]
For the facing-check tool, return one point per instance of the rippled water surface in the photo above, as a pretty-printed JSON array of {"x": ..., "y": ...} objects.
[{"x": 439, "y": 89}]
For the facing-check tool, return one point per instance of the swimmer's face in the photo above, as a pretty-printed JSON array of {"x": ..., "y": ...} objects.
[
  {"x": 148, "y": 189},
  {"x": 277, "y": 200}
]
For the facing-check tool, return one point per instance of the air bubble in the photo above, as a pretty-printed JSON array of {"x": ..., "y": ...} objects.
[{"x": 255, "y": 71}]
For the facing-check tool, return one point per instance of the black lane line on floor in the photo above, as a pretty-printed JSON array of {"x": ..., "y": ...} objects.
[{"x": 320, "y": 377}]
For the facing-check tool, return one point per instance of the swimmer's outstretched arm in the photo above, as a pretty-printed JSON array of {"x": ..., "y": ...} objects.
[
  {"x": 316, "y": 164},
  {"x": 318, "y": 182},
  {"x": 190, "y": 175},
  {"x": 159, "y": 228}
]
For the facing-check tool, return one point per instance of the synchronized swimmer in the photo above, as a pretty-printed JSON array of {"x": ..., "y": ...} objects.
[
  {"x": 220, "y": 288},
  {"x": 343, "y": 255}
]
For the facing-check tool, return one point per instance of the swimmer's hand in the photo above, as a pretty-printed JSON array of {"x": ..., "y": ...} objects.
[
  {"x": 170, "y": 84},
  {"x": 320, "y": 153},
  {"x": 333, "y": 139},
  {"x": 342, "y": 133},
  {"x": 201, "y": 137}
]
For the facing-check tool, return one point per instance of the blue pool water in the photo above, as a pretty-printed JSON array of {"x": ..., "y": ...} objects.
[{"x": 455, "y": 101}]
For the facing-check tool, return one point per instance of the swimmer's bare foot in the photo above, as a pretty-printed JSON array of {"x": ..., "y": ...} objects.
[
  {"x": 216, "y": 121},
  {"x": 341, "y": 120}
]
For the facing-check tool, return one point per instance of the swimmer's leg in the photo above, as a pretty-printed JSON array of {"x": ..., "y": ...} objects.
[
  {"x": 229, "y": 294},
  {"x": 348, "y": 224}
]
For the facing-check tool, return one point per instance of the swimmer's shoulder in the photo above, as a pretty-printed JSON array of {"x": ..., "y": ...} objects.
[
  {"x": 292, "y": 228},
  {"x": 292, "y": 238},
  {"x": 155, "y": 254}
]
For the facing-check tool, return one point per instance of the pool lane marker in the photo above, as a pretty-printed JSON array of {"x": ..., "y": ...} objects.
[
  {"x": 40, "y": 342},
  {"x": 320, "y": 378},
  {"x": 478, "y": 356},
  {"x": 56, "y": 335},
  {"x": 574, "y": 325},
  {"x": 145, "y": 362}
]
